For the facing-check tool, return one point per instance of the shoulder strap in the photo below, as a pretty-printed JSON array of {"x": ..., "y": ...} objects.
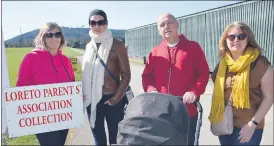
[
  {"x": 253, "y": 64},
  {"x": 106, "y": 68}
]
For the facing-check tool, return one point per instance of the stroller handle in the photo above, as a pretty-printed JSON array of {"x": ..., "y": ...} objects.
[
  {"x": 199, "y": 122},
  {"x": 199, "y": 106}
]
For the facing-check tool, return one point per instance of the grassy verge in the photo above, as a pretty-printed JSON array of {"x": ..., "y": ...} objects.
[{"x": 14, "y": 59}]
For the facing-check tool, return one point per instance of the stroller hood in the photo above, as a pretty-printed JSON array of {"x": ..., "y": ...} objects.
[{"x": 154, "y": 119}]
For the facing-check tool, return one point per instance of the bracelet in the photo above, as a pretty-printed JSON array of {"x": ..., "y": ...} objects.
[{"x": 254, "y": 122}]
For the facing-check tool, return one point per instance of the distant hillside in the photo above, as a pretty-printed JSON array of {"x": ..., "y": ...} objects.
[{"x": 73, "y": 37}]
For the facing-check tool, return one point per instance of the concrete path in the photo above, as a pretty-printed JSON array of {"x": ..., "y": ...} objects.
[{"x": 83, "y": 135}]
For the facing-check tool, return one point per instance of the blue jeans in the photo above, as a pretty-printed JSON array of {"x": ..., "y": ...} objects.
[
  {"x": 233, "y": 138},
  {"x": 113, "y": 114},
  {"x": 192, "y": 129}
]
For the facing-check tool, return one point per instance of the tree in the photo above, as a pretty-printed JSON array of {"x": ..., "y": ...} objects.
[{"x": 76, "y": 44}]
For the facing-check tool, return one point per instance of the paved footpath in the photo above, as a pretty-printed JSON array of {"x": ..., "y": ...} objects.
[{"x": 83, "y": 136}]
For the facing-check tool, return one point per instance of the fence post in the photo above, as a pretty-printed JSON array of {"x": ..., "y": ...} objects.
[{"x": 74, "y": 63}]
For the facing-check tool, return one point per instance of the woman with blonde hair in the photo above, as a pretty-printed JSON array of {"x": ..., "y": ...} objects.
[
  {"x": 47, "y": 65},
  {"x": 245, "y": 78}
]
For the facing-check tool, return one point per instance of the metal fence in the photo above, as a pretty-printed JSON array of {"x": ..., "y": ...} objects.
[{"x": 207, "y": 27}]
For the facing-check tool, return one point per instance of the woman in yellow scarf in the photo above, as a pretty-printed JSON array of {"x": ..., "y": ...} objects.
[{"x": 245, "y": 77}]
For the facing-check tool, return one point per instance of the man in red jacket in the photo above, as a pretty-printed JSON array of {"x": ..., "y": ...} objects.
[{"x": 177, "y": 66}]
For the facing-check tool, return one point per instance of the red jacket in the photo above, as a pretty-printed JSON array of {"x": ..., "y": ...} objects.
[{"x": 186, "y": 71}]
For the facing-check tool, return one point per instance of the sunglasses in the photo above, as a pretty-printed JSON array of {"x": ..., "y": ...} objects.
[
  {"x": 93, "y": 23},
  {"x": 56, "y": 34},
  {"x": 241, "y": 37}
]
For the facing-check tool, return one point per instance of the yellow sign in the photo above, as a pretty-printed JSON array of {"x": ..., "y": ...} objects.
[{"x": 73, "y": 61}]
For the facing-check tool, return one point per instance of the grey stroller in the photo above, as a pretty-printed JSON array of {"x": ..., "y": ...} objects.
[{"x": 156, "y": 119}]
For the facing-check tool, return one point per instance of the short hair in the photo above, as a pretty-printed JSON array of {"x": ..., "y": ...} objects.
[
  {"x": 172, "y": 16},
  {"x": 251, "y": 41},
  {"x": 98, "y": 12},
  {"x": 166, "y": 14},
  {"x": 39, "y": 41}
]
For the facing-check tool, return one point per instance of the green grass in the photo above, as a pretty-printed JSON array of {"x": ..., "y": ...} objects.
[
  {"x": 14, "y": 59},
  {"x": 68, "y": 52}
]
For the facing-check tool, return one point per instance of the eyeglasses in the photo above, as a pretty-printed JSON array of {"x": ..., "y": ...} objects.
[
  {"x": 168, "y": 23},
  {"x": 93, "y": 23},
  {"x": 241, "y": 37},
  {"x": 56, "y": 34}
]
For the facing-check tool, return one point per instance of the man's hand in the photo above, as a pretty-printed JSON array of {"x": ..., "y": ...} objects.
[
  {"x": 7, "y": 132},
  {"x": 189, "y": 97},
  {"x": 112, "y": 101}
]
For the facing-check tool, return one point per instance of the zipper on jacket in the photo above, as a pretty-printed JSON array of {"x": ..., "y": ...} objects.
[
  {"x": 170, "y": 67},
  {"x": 168, "y": 85}
]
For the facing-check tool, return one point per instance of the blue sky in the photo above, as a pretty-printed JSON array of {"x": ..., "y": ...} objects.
[{"x": 30, "y": 15}]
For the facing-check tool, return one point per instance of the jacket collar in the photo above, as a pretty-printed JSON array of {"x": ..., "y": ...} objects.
[{"x": 182, "y": 40}]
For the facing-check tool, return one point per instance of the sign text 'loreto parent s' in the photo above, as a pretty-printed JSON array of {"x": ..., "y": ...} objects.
[{"x": 44, "y": 108}]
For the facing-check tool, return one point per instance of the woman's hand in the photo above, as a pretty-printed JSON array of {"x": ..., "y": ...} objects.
[
  {"x": 112, "y": 101},
  {"x": 246, "y": 132}
]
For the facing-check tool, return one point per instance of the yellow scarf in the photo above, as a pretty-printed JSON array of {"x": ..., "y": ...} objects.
[{"x": 240, "y": 89}]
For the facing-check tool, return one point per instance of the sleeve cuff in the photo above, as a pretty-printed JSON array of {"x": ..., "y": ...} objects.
[{"x": 151, "y": 88}]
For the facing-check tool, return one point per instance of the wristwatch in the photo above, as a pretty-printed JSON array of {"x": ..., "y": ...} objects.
[{"x": 254, "y": 122}]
